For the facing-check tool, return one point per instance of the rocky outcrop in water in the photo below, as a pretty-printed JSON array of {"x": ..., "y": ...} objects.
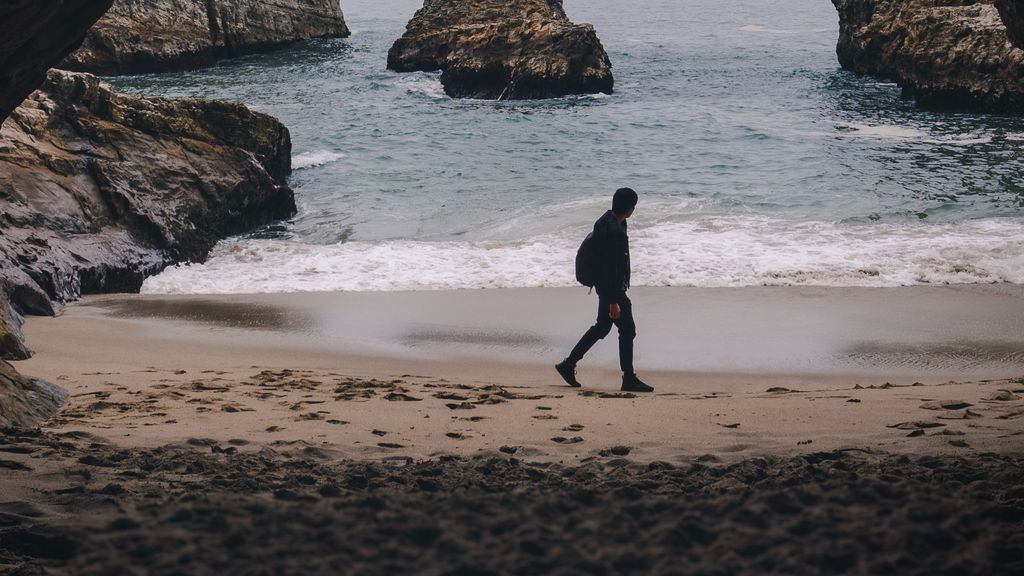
[
  {"x": 139, "y": 36},
  {"x": 1012, "y": 14},
  {"x": 35, "y": 35},
  {"x": 501, "y": 49},
  {"x": 943, "y": 53},
  {"x": 100, "y": 189}
]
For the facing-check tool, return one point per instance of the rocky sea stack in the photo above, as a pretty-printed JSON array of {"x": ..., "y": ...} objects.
[
  {"x": 502, "y": 49},
  {"x": 100, "y": 189},
  {"x": 946, "y": 54},
  {"x": 138, "y": 36}
]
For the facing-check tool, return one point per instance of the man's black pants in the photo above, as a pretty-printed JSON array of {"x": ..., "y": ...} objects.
[{"x": 627, "y": 331}]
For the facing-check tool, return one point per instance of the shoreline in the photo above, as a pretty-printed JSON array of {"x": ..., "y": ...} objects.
[
  {"x": 916, "y": 332},
  {"x": 149, "y": 371}
]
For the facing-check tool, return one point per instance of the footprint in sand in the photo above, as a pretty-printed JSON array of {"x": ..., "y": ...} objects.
[
  {"x": 616, "y": 451},
  {"x": 13, "y": 465},
  {"x": 399, "y": 397},
  {"x": 451, "y": 396},
  {"x": 389, "y": 445},
  {"x": 544, "y": 417},
  {"x": 564, "y": 440},
  {"x": 599, "y": 394},
  {"x": 378, "y": 432},
  {"x": 1003, "y": 396},
  {"x": 456, "y": 435},
  {"x": 573, "y": 428},
  {"x": 919, "y": 424},
  {"x": 946, "y": 405},
  {"x": 965, "y": 415}
]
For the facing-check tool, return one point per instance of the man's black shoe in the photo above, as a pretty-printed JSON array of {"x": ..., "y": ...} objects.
[
  {"x": 630, "y": 383},
  {"x": 568, "y": 373}
]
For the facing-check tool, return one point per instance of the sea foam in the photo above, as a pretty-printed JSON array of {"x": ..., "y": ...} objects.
[
  {"x": 314, "y": 158},
  {"x": 910, "y": 134},
  {"x": 711, "y": 252}
]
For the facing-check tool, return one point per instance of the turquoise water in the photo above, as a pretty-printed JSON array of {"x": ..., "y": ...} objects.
[{"x": 757, "y": 159}]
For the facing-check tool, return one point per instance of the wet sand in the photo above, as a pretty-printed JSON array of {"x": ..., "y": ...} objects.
[
  {"x": 794, "y": 430},
  {"x": 913, "y": 332}
]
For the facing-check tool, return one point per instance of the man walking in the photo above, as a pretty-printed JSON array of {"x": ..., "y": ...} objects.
[{"x": 611, "y": 267}]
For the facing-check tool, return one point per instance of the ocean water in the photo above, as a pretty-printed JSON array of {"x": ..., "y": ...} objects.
[{"x": 757, "y": 159}]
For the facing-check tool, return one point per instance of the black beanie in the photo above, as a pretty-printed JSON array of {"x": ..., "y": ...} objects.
[{"x": 624, "y": 200}]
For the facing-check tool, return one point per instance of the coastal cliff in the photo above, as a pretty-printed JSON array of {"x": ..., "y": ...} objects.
[
  {"x": 138, "y": 36},
  {"x": 99, "y": 189},
  {"x": 947, "y": 54},
  {"x": 496, "y": 49},
  {"x": 36, "y": 35}
]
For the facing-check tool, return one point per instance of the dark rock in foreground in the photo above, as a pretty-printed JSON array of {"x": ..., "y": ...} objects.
[
  {"x": 99, "y": 190},
  {"x": 35, "y": 35},
  {"x": 26, "y": 402},
  {"x": 1012, "y": 14},
  {"x": 947, "y": 54},
  {"x": 139, "y": 36},
  {"x": 12, "y": 343},
  {"x": 501, "y": 49}
]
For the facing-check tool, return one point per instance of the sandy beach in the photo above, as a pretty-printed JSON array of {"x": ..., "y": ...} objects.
[
  {"x": 283, "y": 288},
  {"x": 430, "y": 373},
  {"x": 418, "y": 405}
]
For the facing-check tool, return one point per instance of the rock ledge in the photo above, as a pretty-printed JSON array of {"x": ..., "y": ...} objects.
[
  {"x": 138, "y": 36},
  {"x": 946, "y": 54},
  {"x": 99, "y": 189}
]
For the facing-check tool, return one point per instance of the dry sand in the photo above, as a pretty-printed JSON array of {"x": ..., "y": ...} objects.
[{"x": 427, "y": 433}]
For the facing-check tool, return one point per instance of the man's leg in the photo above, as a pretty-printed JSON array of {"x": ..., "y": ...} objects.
[
  {"x": 596, "y": 332},
  {"x": 627, "y": 332},
  {"x": 567, "y": 368}
]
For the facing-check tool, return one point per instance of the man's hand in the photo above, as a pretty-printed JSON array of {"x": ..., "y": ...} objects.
[{"x": 614, "y": 311}]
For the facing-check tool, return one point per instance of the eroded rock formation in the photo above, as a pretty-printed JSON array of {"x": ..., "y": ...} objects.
[
  {"x": 35, "y": 35},
  {"x": 943, "y": 53},
  {"x": 100, "y": 189},
  {"x": 502, "y": 49},
  {"x": 26, "y": 402},
  {"x": 139, "y": 36},
  {"x": 1012, "y": 14}
]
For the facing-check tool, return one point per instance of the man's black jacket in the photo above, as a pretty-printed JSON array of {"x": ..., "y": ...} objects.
[{"x": 611, "y": 248}]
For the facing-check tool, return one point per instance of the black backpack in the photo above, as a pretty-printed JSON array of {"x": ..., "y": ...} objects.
[{"x": 585, "y": 260}]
